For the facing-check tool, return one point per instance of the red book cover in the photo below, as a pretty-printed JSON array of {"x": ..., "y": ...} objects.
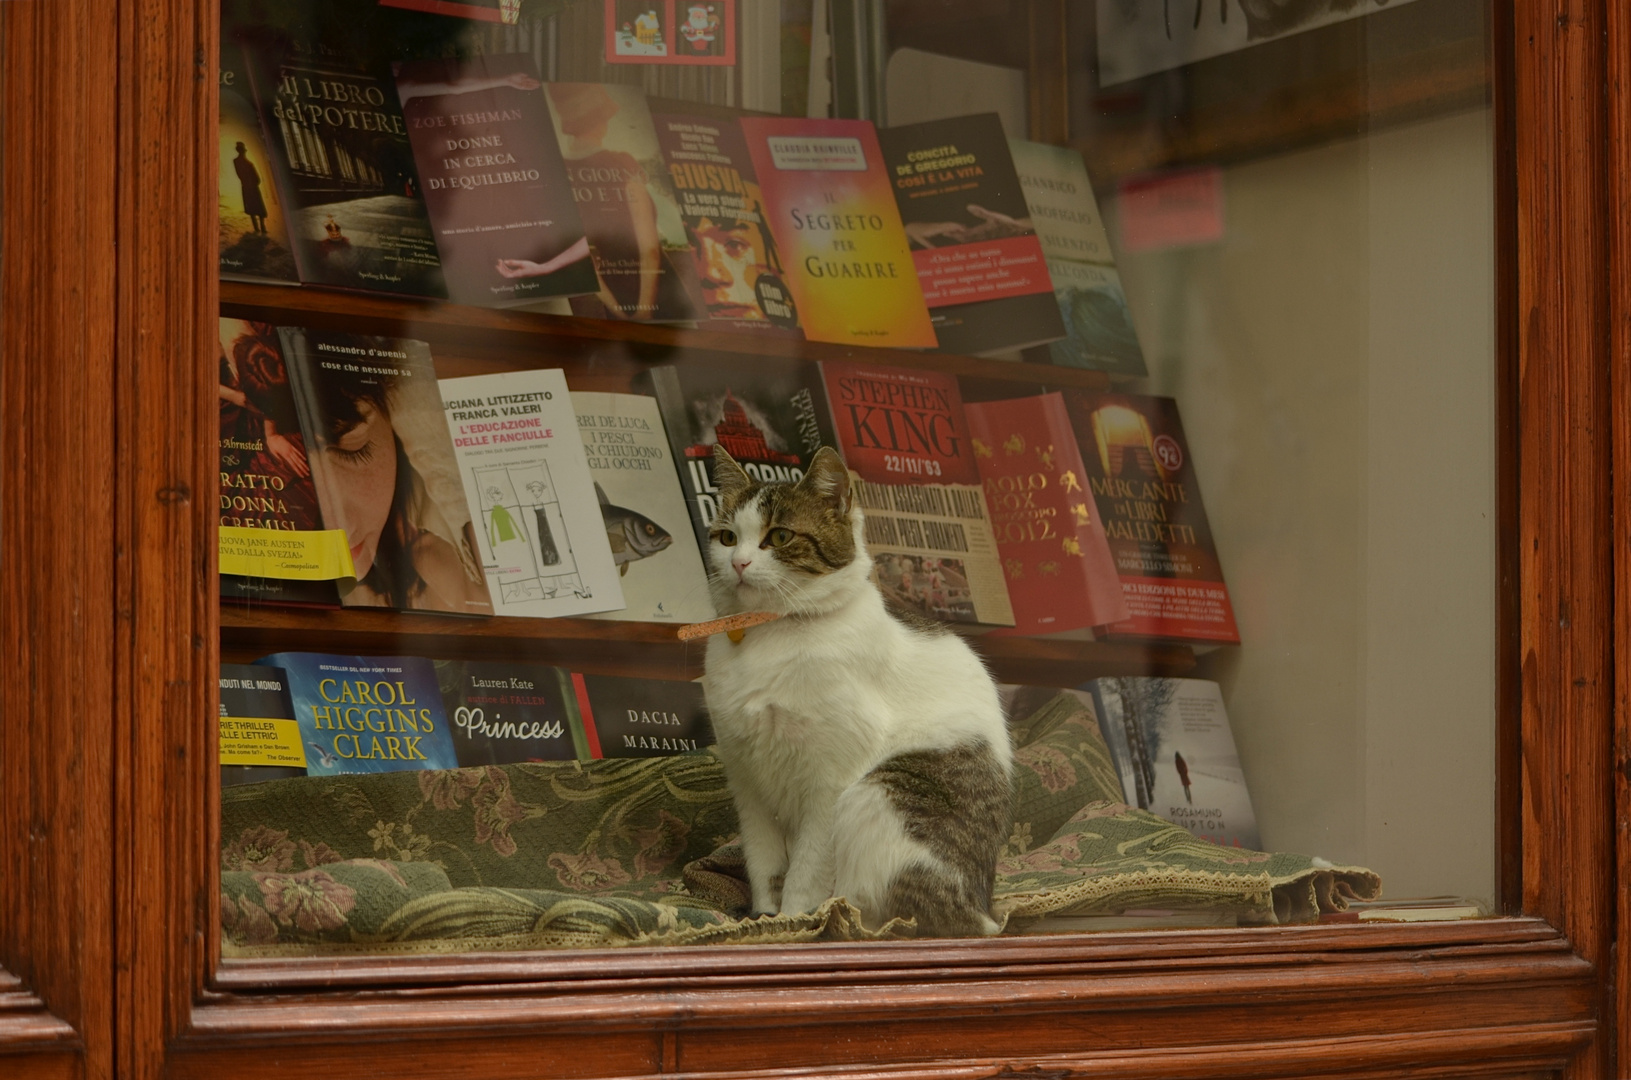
[
  {"x": 904, "y": 436},
  {"x": 1055, "y": 555},
  {"x": 1142, "y": 477}
]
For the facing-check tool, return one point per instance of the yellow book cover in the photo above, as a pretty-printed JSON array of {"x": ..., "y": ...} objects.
[{"x": 833, "y": 215}]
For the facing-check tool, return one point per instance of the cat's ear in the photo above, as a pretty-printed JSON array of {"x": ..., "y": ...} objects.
[
  {"x": 828, "y": 478},
  {"x": 728, "y": 475}
]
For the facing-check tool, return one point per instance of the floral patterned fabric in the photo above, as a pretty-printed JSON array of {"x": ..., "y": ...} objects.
[{"x": 626, "y": 852}]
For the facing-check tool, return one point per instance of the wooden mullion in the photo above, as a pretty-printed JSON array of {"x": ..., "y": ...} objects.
[{"x": 1618, "y": 84}]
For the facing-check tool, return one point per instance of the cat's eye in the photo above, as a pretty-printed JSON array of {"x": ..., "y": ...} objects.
[
  {"x": 726, "y": 537},
  {"x": 779, "y": 537}
]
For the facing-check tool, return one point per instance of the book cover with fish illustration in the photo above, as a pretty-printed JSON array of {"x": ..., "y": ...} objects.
[
  {"x": 366, "y": 714},
  {"x": 833, "y": 216},
  {"x": 538, "y": 522},
  {"x": 976, "y": 250},
  {"x": 260, "y": 738},
  {"x": 643, "y": 508},
  {"x": 505, "y": 712},
  {"x": 507, "y": 228},
  {"x": 1099, "y": 330}
]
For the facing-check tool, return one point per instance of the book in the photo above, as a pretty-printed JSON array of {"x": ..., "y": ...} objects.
[
  {"x": 639, "y": 718},
  {"x": 265, "y": 478},
  {"x": 977, "y": 254},
  {"x": 384, "y": 470},
  {"x": 1142, "y": 476},
  {"x": 367, "y": 714},
  {"x": 1099, "y": 331},
  {"x": 260, "y": 737},
  {"x": 771, "y": 415},
  {"x": 341, "y": 158},
  {"x": 252, "y": 228},
  {"x": 615, "y": 167},
  {"x": 739, "y": 273},
  {"x": 833, "y": 217},
  {"x": 507, "y": 228},
  {"x": 539, "y": 530},
  {"x": 904, "y": 436},
  {"x": 503, "y": 713},
  {"x": 643, "y": 509},
  {"x": 1055, "y": 555},
  {"x": 1171, "y": 743}
]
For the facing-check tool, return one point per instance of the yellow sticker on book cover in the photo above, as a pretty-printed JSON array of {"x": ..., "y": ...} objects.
[
  {"x": 316, "y": 555},
  {"x": 250, "y": 740}
]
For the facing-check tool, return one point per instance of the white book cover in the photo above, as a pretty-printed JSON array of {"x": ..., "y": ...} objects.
[
  {"x": 533, "y": 505},
  {"x": 647, "y": 524},
  {"x": 1172, "y": 745}
]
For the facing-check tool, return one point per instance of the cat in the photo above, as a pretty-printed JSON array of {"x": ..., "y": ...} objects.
[{"x": 865, "y": 749}]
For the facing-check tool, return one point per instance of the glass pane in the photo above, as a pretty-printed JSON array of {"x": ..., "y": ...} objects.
[{"x": 1156, "y": 346}]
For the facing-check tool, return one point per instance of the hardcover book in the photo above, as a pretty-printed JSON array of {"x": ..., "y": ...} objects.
[
  {"x": 507, "y": 228},
  {"x": 771, "y": 415},
  {"x": 343, "y": 164},
  {"x": 539, "y": 530},
  {"x": 260, "y": 738},
  {"x": 977, "y": 254},
  {"x": 738, "y": 268},
  {"x": 367, "y": 714},
  {"x": 1099, "y": 330},
  {"x": 1172, "y": 745},
  {"x": 615, "y": 167},
  {"x": 833, "y": 217},
  {"x": 905, "y": 438},
  {"x": 254, "y": 232},
  {"x": 1055, "y": 555},
  {"x": 1142, "y": 476},
  {"x": 385, "y": 472},
  {"x": 503, "y": 713},
  {"x": 638, "y": 718},
  {"x": 643, "y": 509},
  {"x": 265, "y": 478}
]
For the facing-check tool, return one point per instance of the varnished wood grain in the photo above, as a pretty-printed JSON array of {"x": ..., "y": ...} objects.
[
  {"x": 1618, "y": 51},
  {"x": 1566, "y": 513}
]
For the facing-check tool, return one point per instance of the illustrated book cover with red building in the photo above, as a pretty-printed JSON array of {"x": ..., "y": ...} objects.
[
  {"x": 1142, "y": 477},
  {"x": 905, "y": 438},
  {"x": 976, "y": 251},
  {"x": 771, "y": 415},
  {"x": 1055, "y": 554}
]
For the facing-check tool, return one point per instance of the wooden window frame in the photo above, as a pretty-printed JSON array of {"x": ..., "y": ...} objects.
[{"x": 108, "y": 625}]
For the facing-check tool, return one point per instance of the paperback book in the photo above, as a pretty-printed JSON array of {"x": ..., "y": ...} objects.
[
  {"x": 1172, "y": 745},
  {"x": 1142, "y": 476},
  {"x": 342, "y": 160},
  {"x": 503, "y": 713},
  {"x": 539, "y": 531},
  {"x": 615, "y": 167},
  {"x": 833, "y": 217},
  {"x": 265, "y": 477},
  {"x": 770, "y": 415},
  {"x": 905, "y": 438},
  {"x": 643, "y": 509},
  {"x": 259, "y": 735},
  {"x": 739, "y": 274},
  {"x": 977, "y": 254},
  {"x": 385, "y": 471},
  {"x": 507, "y": 228},
  {"x": 1055, "y": 555},
  {"x": 1098, "y": 328},
  {"x": 253, "y": 230},
  {"x": 367, "y": 714},
  {"x": 641, "y": 718}
]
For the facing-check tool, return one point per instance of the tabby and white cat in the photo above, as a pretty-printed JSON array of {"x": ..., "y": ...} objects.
[{"x": 865, "y": 749}]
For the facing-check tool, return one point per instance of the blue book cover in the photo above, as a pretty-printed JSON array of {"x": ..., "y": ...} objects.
[{"x": 367, "y": 714}]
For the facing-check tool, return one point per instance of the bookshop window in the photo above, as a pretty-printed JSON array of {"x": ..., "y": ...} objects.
[{"x": 1153, "y": 348}]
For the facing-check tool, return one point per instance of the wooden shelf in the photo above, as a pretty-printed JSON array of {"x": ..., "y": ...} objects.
[
  {"x": 599, "y": 354},
  {"x": 625, "y": 648}
]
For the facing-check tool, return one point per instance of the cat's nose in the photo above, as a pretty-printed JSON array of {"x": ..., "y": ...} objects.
[{"x": 740, "y": 565}]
